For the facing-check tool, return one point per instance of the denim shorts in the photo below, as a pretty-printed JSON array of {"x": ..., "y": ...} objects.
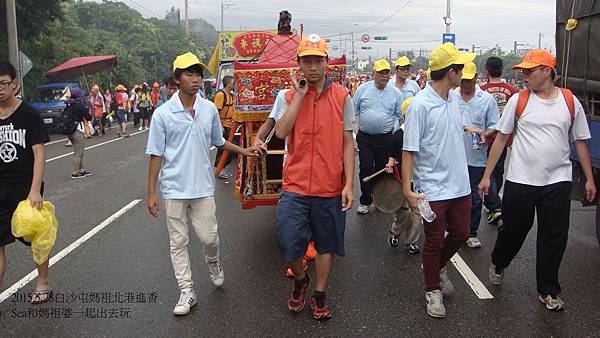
[
  {"x": 121, "y": 116},
  {"x": 300, "y": 218}
]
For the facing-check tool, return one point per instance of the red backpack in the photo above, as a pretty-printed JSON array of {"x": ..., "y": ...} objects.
[{"x": 524, "y": 98}]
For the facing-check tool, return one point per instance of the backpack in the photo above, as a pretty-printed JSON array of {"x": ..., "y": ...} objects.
[
  {"x": 225, "y": 105},
  {"x": 113, "y": 104},
  {"x": 524, "y": 98},
  {"x": 67, "y": 125}
]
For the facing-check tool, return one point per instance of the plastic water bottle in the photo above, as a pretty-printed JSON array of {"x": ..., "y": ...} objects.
[
  {"x": 424, "y": 207},
  {"x": 475, "y": 141}
]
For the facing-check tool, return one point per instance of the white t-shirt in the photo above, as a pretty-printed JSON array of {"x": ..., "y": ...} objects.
[{"x": 540, "y": 150}]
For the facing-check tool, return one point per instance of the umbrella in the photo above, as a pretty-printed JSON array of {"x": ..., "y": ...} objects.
[{"x": 81, "y": 66}]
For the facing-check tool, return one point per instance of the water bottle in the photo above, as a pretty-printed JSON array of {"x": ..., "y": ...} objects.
[
  {"x": 424, "y": 207},
  {"x": 475, "y": 141}
]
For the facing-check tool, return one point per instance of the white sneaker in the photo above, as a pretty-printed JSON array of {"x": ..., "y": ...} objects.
[
  {"x": 495, "y": 278},
  {"x": 362, "y": 209},
  {"x": 445, "y": 283},
  {"x": 140, "y": 128},
  {"x": 185, "y": 303},
  {"x": 435, "y": 304},
  {"x": 217, "y": 276},
  {"x": 146, "y": 128},
  {"x": 473, "y": 243}
]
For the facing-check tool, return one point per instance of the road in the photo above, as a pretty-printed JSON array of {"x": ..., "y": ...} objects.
[{"x": 119, "y": 282}]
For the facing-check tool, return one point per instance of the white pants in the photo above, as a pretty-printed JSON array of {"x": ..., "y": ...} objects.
[
  {"x": 409, "y": 223},
  {"x": 201, "y": 213}
]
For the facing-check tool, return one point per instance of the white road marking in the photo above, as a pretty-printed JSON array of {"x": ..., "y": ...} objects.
[
  {"x": 33, "y": 274},
  {"x": 66, "y": 139},
  {"x": 94, "y": 146},
  {"x": 476, "y": 285}
]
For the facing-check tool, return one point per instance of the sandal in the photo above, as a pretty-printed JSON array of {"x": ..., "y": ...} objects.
[{"x": 40, "y": 297}]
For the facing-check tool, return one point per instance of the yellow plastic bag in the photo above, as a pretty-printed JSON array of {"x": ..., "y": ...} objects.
[{"x": 37, "y": 227}]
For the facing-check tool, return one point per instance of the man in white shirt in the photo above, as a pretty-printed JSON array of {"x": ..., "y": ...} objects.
[{"x": 539, "y": 173}]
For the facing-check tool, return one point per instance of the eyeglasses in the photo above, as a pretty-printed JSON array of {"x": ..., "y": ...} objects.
[
  {"x": 529, "y": 71},
  {"x": 5, "y": 84}
]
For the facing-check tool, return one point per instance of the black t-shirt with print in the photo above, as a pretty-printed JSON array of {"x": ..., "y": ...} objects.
[{"x": 18, "y": 134}]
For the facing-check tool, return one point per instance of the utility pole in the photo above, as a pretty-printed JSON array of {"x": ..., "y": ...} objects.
[
  {"x": 390, "y": 58},
  {"x": 224, "y": 7},
  {"x": 352, "y": 37},
  {"x": 540, "y": 35},
  {"x": 447, "y": 19},
  {"x": 187, "y": 19},
  {"x": 13, "y": 44}
]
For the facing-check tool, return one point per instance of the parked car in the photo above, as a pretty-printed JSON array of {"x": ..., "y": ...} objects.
[{"x": 49, "y": 100}]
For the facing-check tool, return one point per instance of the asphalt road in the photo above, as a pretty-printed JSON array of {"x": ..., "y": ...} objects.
[{"x": 120, "y": 281}]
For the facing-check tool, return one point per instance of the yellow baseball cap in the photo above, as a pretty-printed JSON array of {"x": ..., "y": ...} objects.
[
  {"x": 312, "y": 45},
  {"x": 470, "y": 71},
  {"x": 381, "y": 65},
  {"x": 402, "y": 62},
  {"x": 405, "y": 104},
  {"x": 446, "y": 55},
  {"x": 187, "y": 60}
]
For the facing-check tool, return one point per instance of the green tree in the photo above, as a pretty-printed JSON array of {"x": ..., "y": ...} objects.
[{"x": 145, "y": 48}]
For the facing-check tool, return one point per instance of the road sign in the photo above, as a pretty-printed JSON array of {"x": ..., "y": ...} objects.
[
  {"x": 366, "y": 47},
  {"x": 25, "y": 62},
  {"x": 365, "y": 38},
  {"x": 449, "y": 37},
  {"x": 380, "y": 38}
]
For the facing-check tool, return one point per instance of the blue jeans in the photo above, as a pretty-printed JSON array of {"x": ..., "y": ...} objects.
[{"x": 475, "y": 175}]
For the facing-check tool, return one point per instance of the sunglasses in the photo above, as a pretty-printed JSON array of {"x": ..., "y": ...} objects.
[{"x": 529, "y": 71}]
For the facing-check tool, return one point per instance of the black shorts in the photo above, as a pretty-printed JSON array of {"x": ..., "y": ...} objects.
[
  {"x": 10, "y": 196},
  {"x": 144, "y": 113}
]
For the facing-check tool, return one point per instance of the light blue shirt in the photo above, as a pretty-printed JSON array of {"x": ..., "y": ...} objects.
[
  {"x": 480, "y": 112},
  {"x": 279, "y": 106},
  {"x": 433, "y": 131},
  {"x": 184, "y": 144},
  {"x": 377, "y": 110},
  {"x": 410, "y": 88}
]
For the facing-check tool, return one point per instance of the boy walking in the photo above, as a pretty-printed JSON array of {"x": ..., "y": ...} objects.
[{"x": 183, "y": 130}]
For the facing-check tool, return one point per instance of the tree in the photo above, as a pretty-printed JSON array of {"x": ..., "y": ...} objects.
[
  {"x": 145, "y": 48},
  {"x": 508, "y": 60},
  {"x": 32, "y": 17}
]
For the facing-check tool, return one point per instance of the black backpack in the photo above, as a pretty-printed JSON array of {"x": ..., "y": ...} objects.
[
  {"x": 113, "y": 104},
  {"x": 67, "y": 125}
]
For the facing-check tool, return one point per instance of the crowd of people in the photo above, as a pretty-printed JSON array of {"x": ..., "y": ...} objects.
[{"x": 446, "y": 140}]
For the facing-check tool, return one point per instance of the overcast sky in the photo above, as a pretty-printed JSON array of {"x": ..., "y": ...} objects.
[{"x": 408, "y": 24}]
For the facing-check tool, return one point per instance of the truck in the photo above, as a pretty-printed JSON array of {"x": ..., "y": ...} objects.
[
  {"x": 578, "y": 68},
  {"x": 49, "y": 100}
]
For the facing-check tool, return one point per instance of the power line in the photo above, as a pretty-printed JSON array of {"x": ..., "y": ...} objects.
[
  {"x": 388, "y": 17},
  {"x": 139, "y": 8}
]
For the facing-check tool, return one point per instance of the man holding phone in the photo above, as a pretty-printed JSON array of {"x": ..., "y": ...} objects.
[{"x": 318, "y": 175}]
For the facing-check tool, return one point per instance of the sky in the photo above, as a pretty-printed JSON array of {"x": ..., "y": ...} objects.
[{"x": 408, "y": 24}]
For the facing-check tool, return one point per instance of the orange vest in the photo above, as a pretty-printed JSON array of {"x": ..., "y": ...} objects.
[{"x": 315, "y": 162}]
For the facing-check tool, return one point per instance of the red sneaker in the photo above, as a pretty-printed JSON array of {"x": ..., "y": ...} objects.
[
  {"x": 320, "y": 313},
  {"x": 296, "y": 298}
]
